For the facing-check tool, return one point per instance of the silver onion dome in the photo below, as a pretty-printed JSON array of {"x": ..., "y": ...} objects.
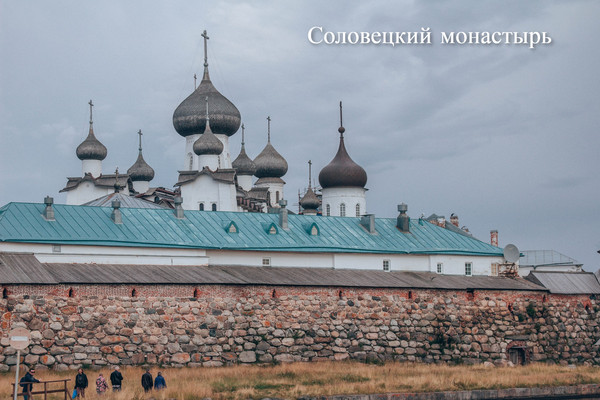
[
  {"x": 91, "y": 148},
  {"x": 208, "y": 143},
  {"x": 243, "y": 165},
  {"x": 342, "y": 170},
  {"x": 140, "y": 170},
  {"x": 310, "y": 201},
  {"x": 189, "y": 118},
  {"x": 269, "y": 163}
]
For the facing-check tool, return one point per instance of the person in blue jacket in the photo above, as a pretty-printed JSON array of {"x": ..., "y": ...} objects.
[{"x": 159, "y": 382}]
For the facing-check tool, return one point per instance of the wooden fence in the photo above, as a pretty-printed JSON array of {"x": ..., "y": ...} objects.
[{"x": 47, "y": 390}]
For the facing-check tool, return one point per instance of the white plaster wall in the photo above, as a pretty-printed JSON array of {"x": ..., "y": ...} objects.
[
  {"x": 205, "y": 189},
  {"x": 274, "y": 187},
  {"x": 245, "y": 181},
  {"x": 208, "y": 160},
  {"x": 225, "y": 157},
  {"x": 109, "y": 254},
  {"x": 350, "y": 196},
  {"x": 524, "y": 271},
  {"x": 278, "y": 259},
  {"x": 86, "y": 191},
  {"x": 93, "y": 167},
  {"x": 141, "y": 186},
  {"x": 455, "y": 265}
]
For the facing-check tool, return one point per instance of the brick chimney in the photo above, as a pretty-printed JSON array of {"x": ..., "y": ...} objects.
[
  {"x": 494, "y": 237},
  {"x": 454, "y": 219}
]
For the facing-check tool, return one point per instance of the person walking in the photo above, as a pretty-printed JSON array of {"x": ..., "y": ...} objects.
[
  {"x": 115, "y": 379},
  {"x": 101, "y": 385},
  {"x": 159, "y": 382},
  {"x": 26, "y": 383},
  {"x": 81, "y": 382},
  {"x": 147, "y": 381}
]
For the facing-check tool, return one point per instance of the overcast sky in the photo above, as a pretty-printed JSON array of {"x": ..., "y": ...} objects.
[{"x": 502, "y": 135}]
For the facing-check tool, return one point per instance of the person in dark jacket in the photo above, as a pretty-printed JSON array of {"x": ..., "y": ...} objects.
[
  {"x": 147, "y": 381},
  {"x": 26, "y": 383},
  {"x": 115, "y": 379},
  {"x": 81, "y": 382},
  {"x": 159, "y": 382}
]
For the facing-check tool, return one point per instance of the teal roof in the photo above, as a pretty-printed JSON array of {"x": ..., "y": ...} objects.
[{"x": 85, "y": 225}]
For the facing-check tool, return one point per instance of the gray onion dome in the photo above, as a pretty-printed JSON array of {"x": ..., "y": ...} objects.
[
  {"x": 91, "y": 148},
  {"x": 189, "y": 117},
  {"x": 342, "y": 170},
  {"x": 208, "y": 143},
  {"x": 243, "y": 165},
  {"x": 140, "y": 170},
  {"x": 310, "y": 201},
  {"x": 270, "y": 164}
]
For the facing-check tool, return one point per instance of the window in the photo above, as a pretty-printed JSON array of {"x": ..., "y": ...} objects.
[
  {"x": 357, "y": 210},
  {"x": 272, "y": 230},
  {"x": 440, "y": 268},
  {"x": 190, "y": 161},
  {"x": 494, "y": 269},
  {"x": 5, "y": 293},
  {"x": 201, "y": 206},
  {"x": 133, "y": 293},
  {"x": 196, "y": 293},
  {"x": 266, "y": 261},
  {"x": 277, "y": 197},
  {"x": 386, "y": 265},
  {"x": 342, "y": 210},
  {"x": 56, "y": 248},
  {"x": 471, "y": 294},
  {"x": 214, "y": 206},
  {"x": 232, "y": 228},
  {"x": 328, "y": 210},
  {"x": 71, "y": 292},
  {"x": 468, "y": 268},
  {"x": 314, "y": 231}
]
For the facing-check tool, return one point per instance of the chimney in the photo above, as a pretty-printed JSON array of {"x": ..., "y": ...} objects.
[
  {"x": 454, "y": 219},
  {"x": 403, "y": 220},
  {"x": 368, "y": 222},
  {"x": 283, "y": 214},
  {"x": 116, "y": 214},
  {"x": 494, "y": 237},
  {"x": 49, "y": 211},
  {"x": 178, "y": 200}
]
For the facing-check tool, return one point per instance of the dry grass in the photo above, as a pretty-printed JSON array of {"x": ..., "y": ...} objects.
[{"x": 294, "y": 380}]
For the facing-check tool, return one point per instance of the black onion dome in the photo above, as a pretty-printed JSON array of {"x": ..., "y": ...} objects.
[
  {"x": 243, "y": 165},
  {"x": 189, "y": 117},
  {"x": 140, "y": 170},
  {"x": 270, "y": 164},
  {"x": 208, "y": 143},
  {"x": 342, "y": 170},
  {"x": 91, "y": 148},
  {"x": 309, "y": 201}
]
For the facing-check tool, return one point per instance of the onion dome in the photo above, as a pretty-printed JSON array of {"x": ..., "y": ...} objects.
[
  {"x": 269, "y": 163},
  {"x": 342, "y": 171},
  {"x": 243, "y": 165},
  {"x": 208, "y": 143},
  {"x": 91, "y": 148},
  {"x": 310, "y": 201},
  {"x": 189, "y": 118},
  {"x": 140, "y": 170}
]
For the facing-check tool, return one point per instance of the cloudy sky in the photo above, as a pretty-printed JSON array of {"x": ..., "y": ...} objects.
[{"x": 502, "y": 135}]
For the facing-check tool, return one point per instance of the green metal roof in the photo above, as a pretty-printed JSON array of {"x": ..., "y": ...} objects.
[{"x": 84, "y": 225}]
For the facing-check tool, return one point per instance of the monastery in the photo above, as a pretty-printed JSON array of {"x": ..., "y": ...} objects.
[{"x": 218, "y": 270}]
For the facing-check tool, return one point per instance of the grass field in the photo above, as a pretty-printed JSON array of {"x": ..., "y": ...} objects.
[{"x": 294, "y": 380}]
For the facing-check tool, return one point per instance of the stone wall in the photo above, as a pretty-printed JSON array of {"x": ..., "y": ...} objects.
[{"x": 217, "y": 325}]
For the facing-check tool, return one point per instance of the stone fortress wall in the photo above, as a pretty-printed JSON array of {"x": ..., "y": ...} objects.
[{"x": 213, "y": 325}]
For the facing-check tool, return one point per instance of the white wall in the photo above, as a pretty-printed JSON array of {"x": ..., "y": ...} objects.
[
  {"x": 225, "y": 157},
  {"x": 245, "y": 181},
  {"x": 87, "y": 191},
  {"x": 274, "y": 188},
  {"x": 189, "y": 154},
  {"x": 208, "y": 191},
  {"x": 350, "y": 196},
  {"x": 93, "y": 167}
]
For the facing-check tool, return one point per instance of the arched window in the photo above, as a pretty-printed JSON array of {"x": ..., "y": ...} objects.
[
  {"x": 214, "y": 206},
  {"x": 71, "y": 292},
  {"x": 277, "y": 197},
  {"x": 133, "y": 293},
  {"x": 190, "y": 161},
  {"x": 274, "y": 294},
  {"x": 201, "y": 206},
  {"x": 196, "y": 293},
  {"x": 269, "y": 199},
  {"x": 5, "y": 293},
  {"x": 357, "y": 210},
  {"x": 342, "y": 210},
  {"x": 328, "y": 208}
]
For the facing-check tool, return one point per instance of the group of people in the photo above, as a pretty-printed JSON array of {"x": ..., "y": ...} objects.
[{"x": 81, "y": 382}]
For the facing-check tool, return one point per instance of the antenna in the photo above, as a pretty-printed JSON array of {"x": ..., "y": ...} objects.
[{"x": 511, "y": 253}]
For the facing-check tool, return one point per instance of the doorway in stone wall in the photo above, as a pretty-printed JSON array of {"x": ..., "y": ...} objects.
[{"x": 516, "y": 355}]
